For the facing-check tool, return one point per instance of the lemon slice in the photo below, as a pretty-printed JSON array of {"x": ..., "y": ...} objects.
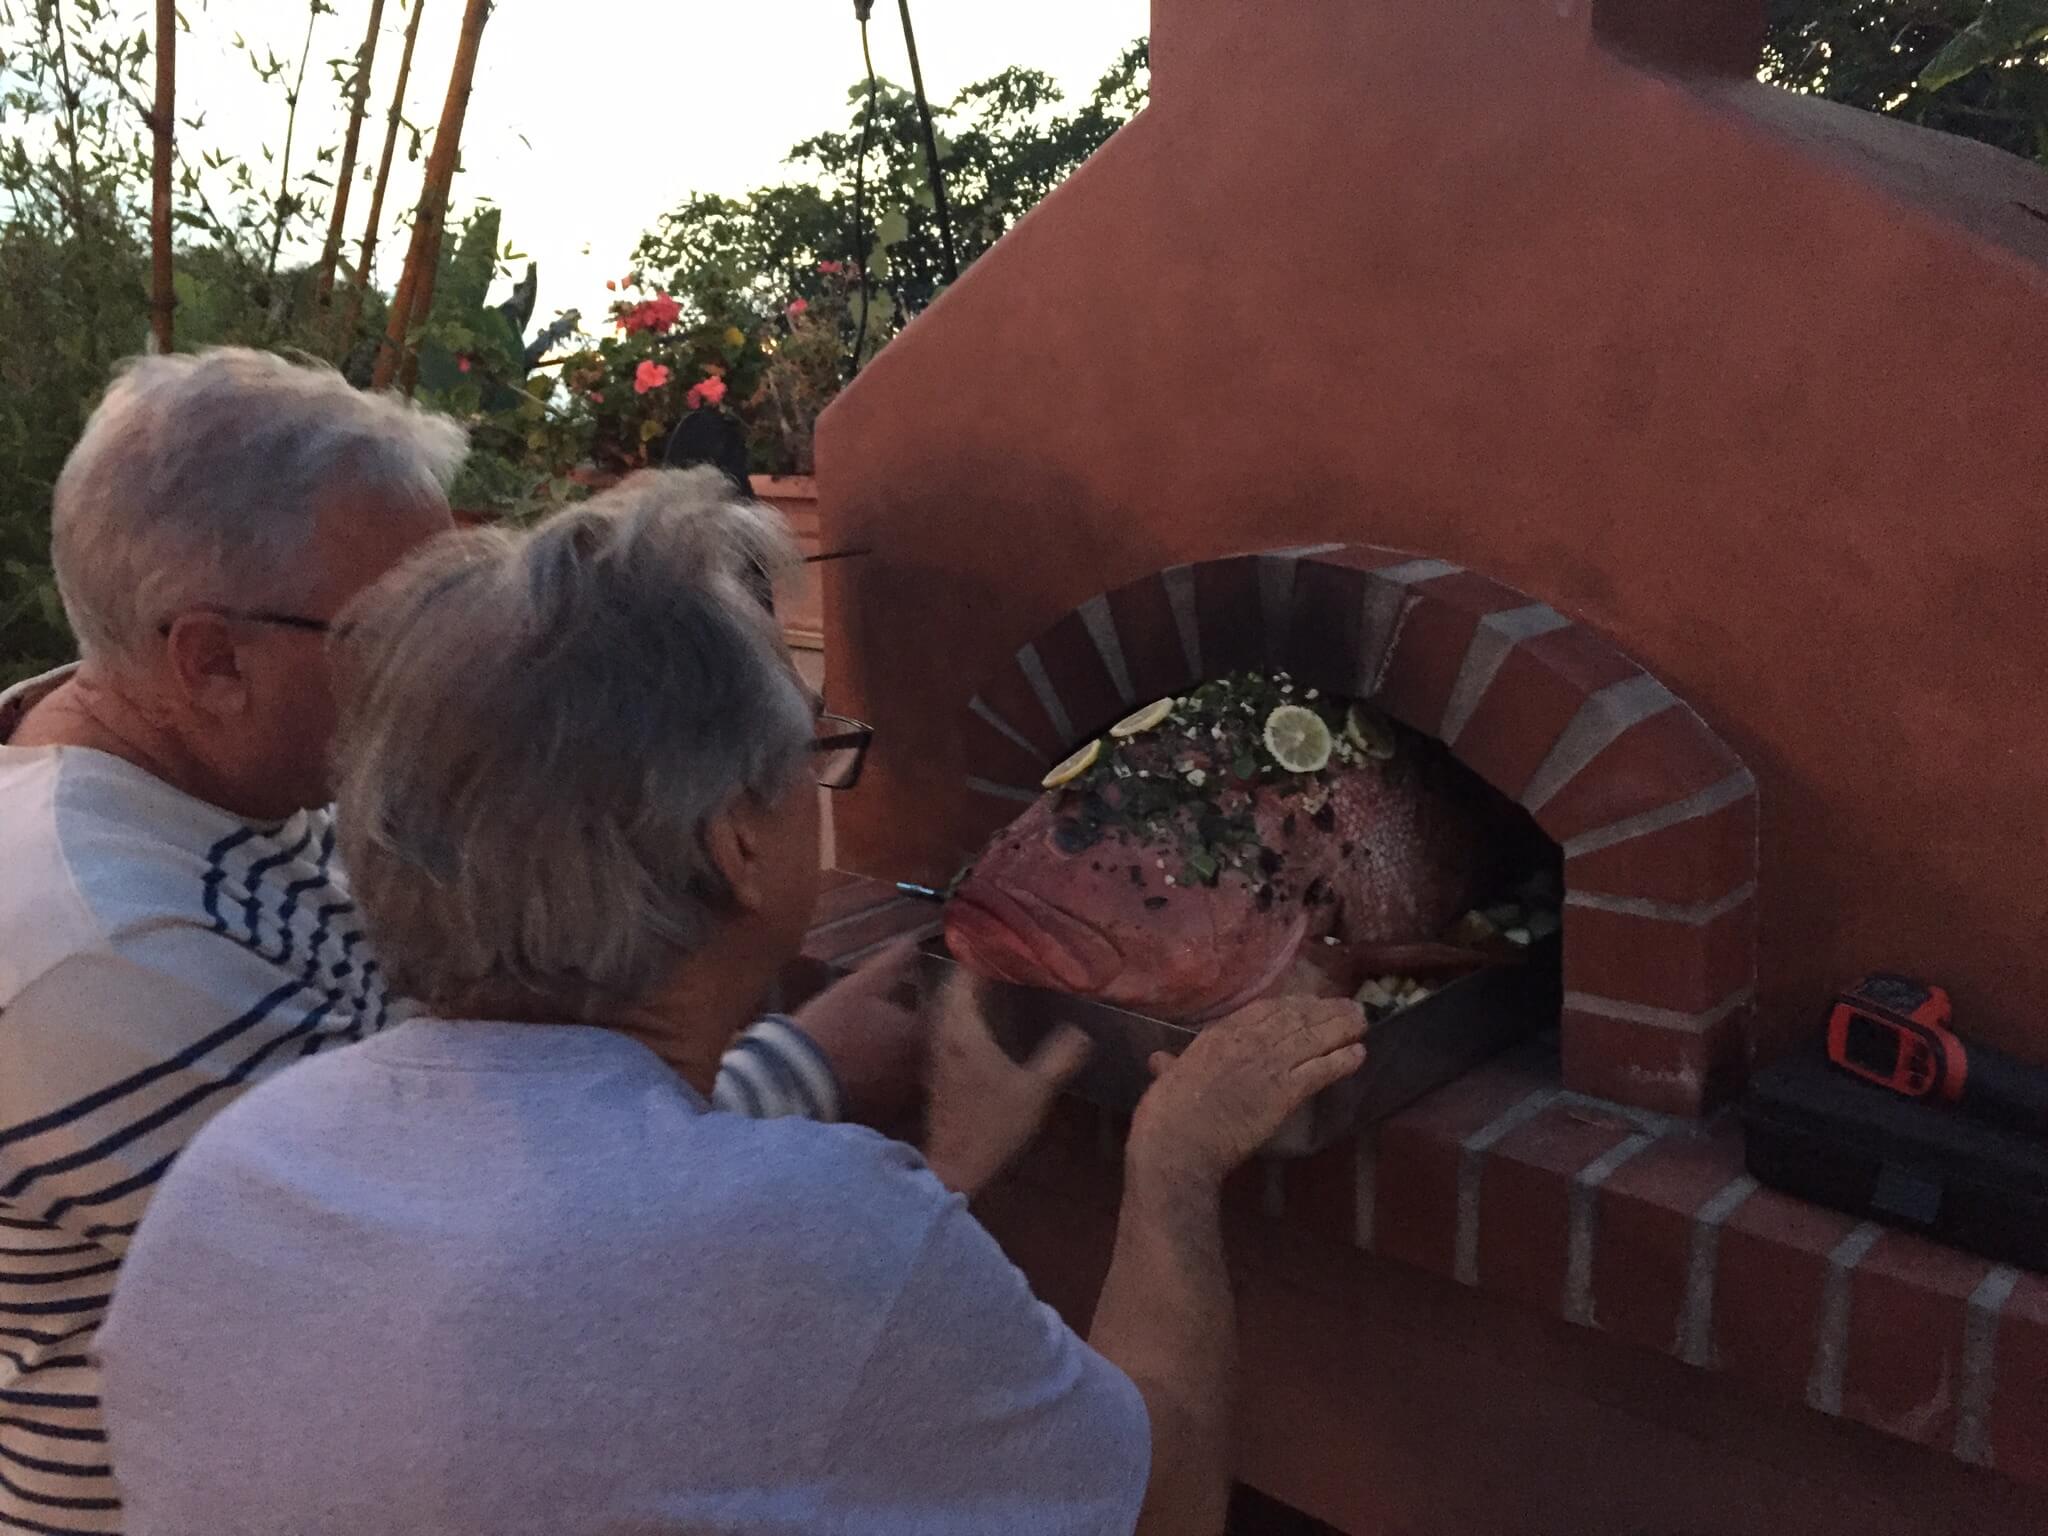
[
  {"x": 1073, "y": 767},
  {"x": 1144, "y": 720},
  {"x": 1369, "y": 733},
  {"x": 1298, "y": 739}
]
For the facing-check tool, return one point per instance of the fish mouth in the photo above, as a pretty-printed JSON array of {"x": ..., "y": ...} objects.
[{"x": 1020, "y": 938}]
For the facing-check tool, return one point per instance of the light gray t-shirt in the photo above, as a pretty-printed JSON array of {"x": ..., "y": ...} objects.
[{"x": 500, "y": 1278}]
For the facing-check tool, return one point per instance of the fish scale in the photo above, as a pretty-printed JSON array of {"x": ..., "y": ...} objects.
[{"x": 1055, "y": 904}]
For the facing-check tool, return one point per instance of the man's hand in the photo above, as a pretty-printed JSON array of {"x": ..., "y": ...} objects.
[
  {"x": 869, "y": 1026},
  {"x": 985, "y": 1108},
  {"x": 1212, "y": 1107}
]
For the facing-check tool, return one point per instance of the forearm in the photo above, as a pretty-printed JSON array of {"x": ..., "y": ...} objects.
[{"x": 1165, "y": 1319}]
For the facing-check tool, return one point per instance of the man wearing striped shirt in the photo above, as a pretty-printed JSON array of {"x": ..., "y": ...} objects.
[{"x": 173, "y": 925}]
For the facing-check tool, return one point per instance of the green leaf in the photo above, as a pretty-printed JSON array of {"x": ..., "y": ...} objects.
[{"x": 2002, "y": 29}]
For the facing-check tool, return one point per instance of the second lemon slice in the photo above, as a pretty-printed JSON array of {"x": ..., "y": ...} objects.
[
  {"x": 1144, "y": 720},
  {"x": 1298, "y": 739}
]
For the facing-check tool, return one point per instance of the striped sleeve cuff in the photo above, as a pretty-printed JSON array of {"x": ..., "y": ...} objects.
[{"x": 775, "y": 1069}]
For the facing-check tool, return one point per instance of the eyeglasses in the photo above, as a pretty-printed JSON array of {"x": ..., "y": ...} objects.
[
  {"x": 841, "y": 747},
  {"x": 258, "y": 616}
]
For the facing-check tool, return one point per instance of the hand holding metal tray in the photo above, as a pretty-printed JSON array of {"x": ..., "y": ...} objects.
[{"x": 1408, "y": 1053}]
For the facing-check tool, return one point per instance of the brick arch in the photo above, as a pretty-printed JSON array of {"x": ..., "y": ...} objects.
[{"x": 1656, "y": 816}]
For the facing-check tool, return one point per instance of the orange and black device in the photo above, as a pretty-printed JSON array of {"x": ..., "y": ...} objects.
[{"x": 1894, "y": 1031}]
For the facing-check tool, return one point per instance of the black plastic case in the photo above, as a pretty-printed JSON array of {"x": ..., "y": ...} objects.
[{"x": 1814, "y": 1131}]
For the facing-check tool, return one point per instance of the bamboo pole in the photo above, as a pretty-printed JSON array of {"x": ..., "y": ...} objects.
[
  {"x": 364, "y": 262},
  {"x": 416, "y": 285},
  {"x": 366, "y": 56},
  {"x": 163, "y": 299},
  {"x": 284, "y": 172}
]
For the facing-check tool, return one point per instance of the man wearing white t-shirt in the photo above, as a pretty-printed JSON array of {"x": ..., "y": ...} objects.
[{"x": 173, "y": 924}]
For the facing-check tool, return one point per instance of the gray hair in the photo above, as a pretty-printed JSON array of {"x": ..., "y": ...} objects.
[
  {"x": 199, "y": 478},
  {"x": 537, "y": 729}
]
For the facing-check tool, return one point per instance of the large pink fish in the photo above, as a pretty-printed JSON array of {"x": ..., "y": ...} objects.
[{"x": 1166, "y": 884}]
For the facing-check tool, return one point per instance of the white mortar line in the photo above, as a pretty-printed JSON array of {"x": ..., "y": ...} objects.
[
  {"x": 1498, "y": 635},
  {"x": 981, "y": 711},
  {"x": 1583, "y": 1205},
  {"x": 1276, "y": 603},
  {"x": 1980, "y": 1339},
  {"x": 1471, "y": 1164},
  {"x": 1033, "y": 667},
  {"x": 1598, "y": 725},
  {"x": 1662, "y": 1018},
  {"x": 1696, "y": 915},
  {"x": 1100, "y": 623},
  {"x": 1831, "y": 1341},
  {"x": 1179, "y": 582},
  {"x": 1001, "y": 791},
  {"x": 1695, "y": 1342},
  {"x": 1736, "y": 786}
]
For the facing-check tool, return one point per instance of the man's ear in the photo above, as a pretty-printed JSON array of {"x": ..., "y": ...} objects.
[
  {"x": 733, "y": 839},
  {"x": 206, "y": 668}
]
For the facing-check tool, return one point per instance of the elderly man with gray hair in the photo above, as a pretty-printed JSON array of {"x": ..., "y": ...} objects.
[
  {"x": 174, "y": 924},
  {"x": 514, "y": 1273}
]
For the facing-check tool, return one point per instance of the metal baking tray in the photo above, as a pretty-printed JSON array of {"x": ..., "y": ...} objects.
[{"x": 1408, "y": 1053}]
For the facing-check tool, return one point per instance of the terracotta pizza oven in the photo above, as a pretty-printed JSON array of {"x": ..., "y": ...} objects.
[{"x": 1670, "y": 448}]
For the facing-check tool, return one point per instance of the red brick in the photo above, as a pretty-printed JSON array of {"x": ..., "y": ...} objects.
[
  {"x": 1675, "y": 1071},
  {"x": 1080, "y": 677},
  {"x": 1012, "y": 697},
  {"x": 1228, "y": 615},
  {"x": 1322, "y": 1193},
  {"x": 1769, "y": 1280},
  {"x": 1659, "y": 962},
  {"x": 1145, "y": 629},
  {"x": 1423, "y": 666},
  {"x": 1366, "y": 557},
  {"x": 1536, "y": 693},
  {"x": 2018, "y": 1421},
  {"x": 1905, "y": 1363},
  {"x": 1324, "y": 631},
  {"x": 1689, "y": 862},
  {"x": 987, "y": 753},
  {"x": 1415, "y": 1184},
  {"x": 1642, "y": 1249},
  {"x": 1525, "y": 1202},
  {"x": 1663, "y": 758},
  {"x": 1470, "y": 592}
]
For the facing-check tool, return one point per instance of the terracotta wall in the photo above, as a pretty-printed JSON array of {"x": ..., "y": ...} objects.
[{"x": 1749, "y": 384}]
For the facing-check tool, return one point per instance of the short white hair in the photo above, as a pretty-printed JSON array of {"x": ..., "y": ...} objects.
[
  {"x": 537, "y": 730},
  {"x": 199, "y": 479}
]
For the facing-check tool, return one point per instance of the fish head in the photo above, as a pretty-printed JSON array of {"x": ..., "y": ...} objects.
[{"x": 1060, "y": 901}]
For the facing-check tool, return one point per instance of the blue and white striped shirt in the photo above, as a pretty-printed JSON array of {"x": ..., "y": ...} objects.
[{"x": 159, "y": 956}]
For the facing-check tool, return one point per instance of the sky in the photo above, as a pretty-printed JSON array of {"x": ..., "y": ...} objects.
[{"x": 590, "y": 118}]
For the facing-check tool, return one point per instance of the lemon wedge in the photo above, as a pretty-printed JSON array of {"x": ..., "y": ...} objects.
[
  {"x": 1369, "y": 733},
  {"x": 1073, "y": 767},
  {"x": 1298, "y": 739},
  {"x": 1144, "y": 720}
]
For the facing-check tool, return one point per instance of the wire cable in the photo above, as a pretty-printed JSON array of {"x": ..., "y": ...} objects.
[{"x": 860, "y": 168}]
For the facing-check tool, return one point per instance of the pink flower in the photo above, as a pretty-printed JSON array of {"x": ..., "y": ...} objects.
[
  {"x": 797, "y": 307},
  {"x": 709, "y": 392},
  {"x": 462, "y": 364},
  {"x": 656, "y": 314},
  {"x": 649, "y": 375},
  {"x": 597, "y": 397},
  {"x": 831, "y": 268}
]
